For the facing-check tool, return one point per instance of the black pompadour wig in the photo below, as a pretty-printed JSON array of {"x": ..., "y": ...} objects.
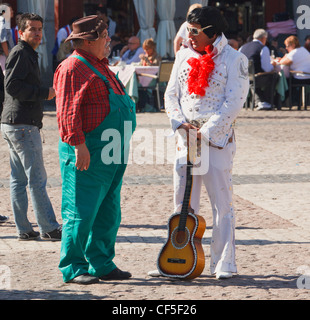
[{"x": 207, "y": 16}]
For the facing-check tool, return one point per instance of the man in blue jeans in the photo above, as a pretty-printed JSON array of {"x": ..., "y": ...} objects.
[{"x": 20, "y": 124}]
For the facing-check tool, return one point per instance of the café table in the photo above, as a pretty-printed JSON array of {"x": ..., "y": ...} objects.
[
  {"x": 282, "y": 85},
  {"x": 129, "y": 75},
  {"x": 285, "y": 70},
  {"x": 145, "y": 81}
]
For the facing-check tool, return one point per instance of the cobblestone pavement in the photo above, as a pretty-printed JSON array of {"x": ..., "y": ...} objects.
[{"x": 271, "y": 185}]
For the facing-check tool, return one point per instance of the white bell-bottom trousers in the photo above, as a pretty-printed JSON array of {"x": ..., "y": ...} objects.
[{"x": 218, "y": 183}]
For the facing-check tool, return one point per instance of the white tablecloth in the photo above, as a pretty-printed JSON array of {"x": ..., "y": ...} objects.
[
  {"x": 126, "y": 72},
  {"x": 284, "y": 68},
  {"x": 128, "y": 75},
  {"x": 145, "y": 81}
]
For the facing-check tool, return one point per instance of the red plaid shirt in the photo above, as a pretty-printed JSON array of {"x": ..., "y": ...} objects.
[{"x": 82, "y": 98}]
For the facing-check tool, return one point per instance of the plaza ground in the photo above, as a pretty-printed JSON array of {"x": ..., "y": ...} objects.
[{"x": 271, "y": 179}]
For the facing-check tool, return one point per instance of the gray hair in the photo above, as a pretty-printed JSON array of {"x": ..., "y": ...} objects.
[
  {"x": 260, "y": 33},
  {"x": 77, "y": 43}
]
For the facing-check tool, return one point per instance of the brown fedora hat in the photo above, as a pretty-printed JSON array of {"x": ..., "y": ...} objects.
[{"x": 87, "y": 28}]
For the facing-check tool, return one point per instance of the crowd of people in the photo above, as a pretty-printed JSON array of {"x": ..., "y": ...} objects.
[
  {"x": 133, "y": 52},
  {"x": 90, "y": 99},
  {"x": 269, "y": 61}
]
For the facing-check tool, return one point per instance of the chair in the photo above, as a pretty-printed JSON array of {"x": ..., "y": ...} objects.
[
  {"x": 302, "y": 85},
  {"x": 253, "y": 85},
  {"x": 161, "y": 78}
]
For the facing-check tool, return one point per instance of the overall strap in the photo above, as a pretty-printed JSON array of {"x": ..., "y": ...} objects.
[{"x": 97, "y": 72}]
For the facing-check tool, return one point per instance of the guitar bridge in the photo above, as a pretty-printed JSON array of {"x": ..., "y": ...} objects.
[{"x": 174, "y": 260}]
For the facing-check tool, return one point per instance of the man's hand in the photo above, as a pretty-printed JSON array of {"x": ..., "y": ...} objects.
[
  {"x": 188, "y": 127},
  {"x": 51, "y": 94},
  {"x": 82, "y": 157}
]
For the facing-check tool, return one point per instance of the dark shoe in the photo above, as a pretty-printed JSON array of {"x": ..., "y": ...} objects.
[
  {"x": 54, "y": 235},
  {"x": 4, "y": 219},
  {"x": 116, "y": 274},
  {"x": 32, "y": 235},
  {"x": 85, "y": 278}
]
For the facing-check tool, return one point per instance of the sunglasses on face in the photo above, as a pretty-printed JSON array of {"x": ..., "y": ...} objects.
[{"x": 195, "y": 31}]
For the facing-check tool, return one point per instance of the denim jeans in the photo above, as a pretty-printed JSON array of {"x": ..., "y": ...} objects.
[{"x": 27, "y": 168}]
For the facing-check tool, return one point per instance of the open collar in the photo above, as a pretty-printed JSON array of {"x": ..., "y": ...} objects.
[{"x": 218, "y": 45}]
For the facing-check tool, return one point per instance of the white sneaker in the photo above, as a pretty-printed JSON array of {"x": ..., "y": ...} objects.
[
  {"x": 263, "y": 106},
  {"x": 223, "y": 275},
  {"x": 154, "y": 273}
]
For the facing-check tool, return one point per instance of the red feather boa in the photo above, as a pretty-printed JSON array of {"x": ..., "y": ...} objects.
[{"x": 200, "y": 72}]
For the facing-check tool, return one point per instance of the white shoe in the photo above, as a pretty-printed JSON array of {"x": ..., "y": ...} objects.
[
  {"x": 223, "y": 275},
  {"x": 263, "y": 106},
  {"x": 154, "y": 273}
]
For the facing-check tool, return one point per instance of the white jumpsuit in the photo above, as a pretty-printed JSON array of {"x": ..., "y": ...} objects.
[{"x": 224, "y": 98}]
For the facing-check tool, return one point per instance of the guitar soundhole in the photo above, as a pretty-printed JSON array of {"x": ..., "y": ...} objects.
[{"x": 180, "y": 238}]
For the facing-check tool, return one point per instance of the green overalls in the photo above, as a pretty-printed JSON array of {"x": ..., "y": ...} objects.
[{"x": 91, "y": 210}]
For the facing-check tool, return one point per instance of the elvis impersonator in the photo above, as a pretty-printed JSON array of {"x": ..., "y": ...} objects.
[{"x": 207, "y": 89}]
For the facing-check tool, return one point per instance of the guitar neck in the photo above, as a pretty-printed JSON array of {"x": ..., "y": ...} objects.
[{"x": 187, "y": 196}]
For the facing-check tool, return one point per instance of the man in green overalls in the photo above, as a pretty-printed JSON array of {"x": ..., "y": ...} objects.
[{"x": 96, "y": 119}]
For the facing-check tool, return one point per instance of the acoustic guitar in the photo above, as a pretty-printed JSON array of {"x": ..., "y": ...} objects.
[{"x": 182, "y": 255}]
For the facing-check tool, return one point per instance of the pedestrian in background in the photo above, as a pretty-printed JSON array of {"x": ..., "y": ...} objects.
[
  {"x": 20, "y": 124},
  {"x": 6, "y": 37}
]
